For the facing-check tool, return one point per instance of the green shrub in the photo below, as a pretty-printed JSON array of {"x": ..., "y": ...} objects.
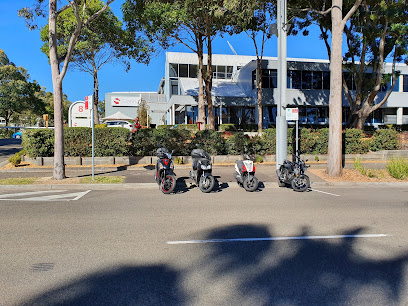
[
  {"x": 225, "y": 127},
  {"x": 7, "y": 133},
  {"x": 15, "y": 159},
  {"x": 269, "y": 141},
  {"x": 237, "y": 144},
  {"x": 353, "y": 142},
  {"x": 359, "y": 167},
  {"x": 384, "y": 139},
  {"x": 111, "y": 142},
  {"x": 398, "y": 168},
  {"x": 259, "y": 159},
  {"x": 209, "y": 141},
  {"x": 39, "y": 142},
  {"x": 322, "y": 142}
]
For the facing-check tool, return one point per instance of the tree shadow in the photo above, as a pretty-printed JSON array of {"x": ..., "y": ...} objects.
[
  {"x": 125, "y": 285},
  {"x": 305, "y": 272}
]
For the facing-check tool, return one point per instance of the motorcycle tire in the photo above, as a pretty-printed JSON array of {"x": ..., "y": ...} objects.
[
  {"x": 301, "y": 183},
  {"x": 168, "y": 184},
  {"x": 281, "y": 183},
  {"x": 250, "y": 186},
  {"x": 206, "y": 184}
]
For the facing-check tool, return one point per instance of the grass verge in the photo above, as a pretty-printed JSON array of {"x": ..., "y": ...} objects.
[
  {"x": 398, "y": 168},
  {"x": 18, "y": 181},
  {"x": 103, "y": 180}
]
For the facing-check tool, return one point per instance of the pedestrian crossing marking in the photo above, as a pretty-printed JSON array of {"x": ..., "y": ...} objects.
[{"x": 56, "y": 195}]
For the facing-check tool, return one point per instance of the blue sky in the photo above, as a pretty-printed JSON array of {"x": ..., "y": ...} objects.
[{"x": 23, "y": 48}]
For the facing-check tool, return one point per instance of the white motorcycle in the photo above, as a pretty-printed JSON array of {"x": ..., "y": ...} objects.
[{"x": 245, "y": 173}]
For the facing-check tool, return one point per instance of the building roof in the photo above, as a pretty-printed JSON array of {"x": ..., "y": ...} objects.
[{"x": 117, "y": 116}]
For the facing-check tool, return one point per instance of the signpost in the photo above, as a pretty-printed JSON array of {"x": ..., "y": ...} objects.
[
  {"x": 90, "y": 105},
  {"x": 292, "y": 114}
]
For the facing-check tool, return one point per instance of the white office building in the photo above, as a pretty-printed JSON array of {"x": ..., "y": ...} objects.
[{"x": 235, "y": 95}]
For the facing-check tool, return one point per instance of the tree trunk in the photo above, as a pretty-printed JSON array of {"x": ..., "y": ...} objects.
[
  {"x": 259, "y": 87},
  {"x": 96, "y": 97},
  {"x": 334, "y": 160},
  {"x": 208, "y": 86},
  {"x": 201, "y": 104},
  {"x": 59, "y": 165}
]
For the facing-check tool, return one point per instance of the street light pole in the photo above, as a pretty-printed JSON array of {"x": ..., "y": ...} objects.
[{"x": 281, "y": 123}]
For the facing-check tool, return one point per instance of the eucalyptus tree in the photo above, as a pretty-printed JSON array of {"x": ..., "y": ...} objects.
[
  {"x": 192, "y": 23},
  {"x": 59, "y": 66},
  {"x": 254, "y": 18},
  {"x": 317, "y": 11},
  {"x": 99, "y": 44},
  {"x": 17, "y": 93}
]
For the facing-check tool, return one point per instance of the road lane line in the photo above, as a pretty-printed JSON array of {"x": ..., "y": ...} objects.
[
  {"x": 278, "y": 238},
  {"x": 21, "y": 194},
  {"x": 333, "y": 194}
]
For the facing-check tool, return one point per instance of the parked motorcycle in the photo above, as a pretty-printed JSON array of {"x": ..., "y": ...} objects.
[
  {"x": 165, "y": 176},
  {"x": 245, "y": 173},
  {"x": 202, "y": 170},
  {"x": 293, "y": 174}
]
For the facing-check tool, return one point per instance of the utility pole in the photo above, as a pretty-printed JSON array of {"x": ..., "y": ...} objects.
[{"x": 281, "y": 123}]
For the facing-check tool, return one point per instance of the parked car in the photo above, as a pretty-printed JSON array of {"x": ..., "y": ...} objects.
[
  {"x": 120, "y": 123},
  {"x": 17, "y": 135}
]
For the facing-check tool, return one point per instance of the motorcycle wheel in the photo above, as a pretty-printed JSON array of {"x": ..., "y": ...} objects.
[
  {"x": 301, "y": 183},
  {"x": 280, "y": 183},
  {"x": 206, "y": 184},
  {"x": 168, "y": 184},
  {"x": 250, "y": 186}
]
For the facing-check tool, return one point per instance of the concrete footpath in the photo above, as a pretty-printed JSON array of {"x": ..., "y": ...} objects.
[{"x": 142, "y": 176}]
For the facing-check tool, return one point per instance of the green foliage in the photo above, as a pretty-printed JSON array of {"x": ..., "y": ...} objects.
[
  {"x": 17, "y": 93},
  {"x": 39, "y": 143},
  {"x": 359, "y": 167},
  {"x": 353, "y": 142},
  {"x": 237, "y": 144},
  {"x": 142, "y": 112},
  {"x": 269, "y": 141},
  {"x": 225, "y": 127},
  {"x": 384, "y": 140},
  {"x": 398, "y": 168},
  {"x": 259, "y": 159},
  {"x": 178, "y": 160},
  {"x": 16, "y": 158},
  {"x": 7, "y": 133},
  {"x": 191, "y": 127},
  {"x": 209, "y": 141}
]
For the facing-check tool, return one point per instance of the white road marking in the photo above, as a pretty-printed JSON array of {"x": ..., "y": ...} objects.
[
  {"x": 336, "y": 195},
  {"x": 54, "y": 197},
  {"x": 277, "y": 238},
  {"x": 21, "y": 194}
]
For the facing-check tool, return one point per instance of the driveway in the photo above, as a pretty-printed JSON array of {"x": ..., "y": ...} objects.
[{"x": 8, "y": 147}]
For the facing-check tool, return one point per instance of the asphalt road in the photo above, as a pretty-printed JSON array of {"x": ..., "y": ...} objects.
[
  {"x": 140, "y": 247},
  {"x": 7, "y": 148}
]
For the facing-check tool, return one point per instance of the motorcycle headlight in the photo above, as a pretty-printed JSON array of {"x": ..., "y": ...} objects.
[
  {"x": 160, "y": 166},
  {"x": 204, "y": 167}
]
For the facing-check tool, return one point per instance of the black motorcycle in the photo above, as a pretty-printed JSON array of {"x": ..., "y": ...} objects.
[
  {"x": 202, "y": 170},
  {"x": 245, "y": 173},
  {"x": 165, "y": 176},
  {"x": 293, "y": 174}
]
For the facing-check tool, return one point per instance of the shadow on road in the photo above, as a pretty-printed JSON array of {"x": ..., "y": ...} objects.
[{"x": 295, "y": 272}]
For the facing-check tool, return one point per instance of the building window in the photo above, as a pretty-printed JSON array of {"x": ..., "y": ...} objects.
[
  {"x": 396, "y": 86},
  {"x": 183, "y": 70},
  {"x": 173, "y": 70},
  {"x": 306, "y": 79},
  {"x": 317, "y": 80},
  {"x": 405, "y": 83},
  {"x": 174, "y": 87},
  {"x": 326, "y": 80},
  {"x": 193, "y": 71},
  {"x": 296, "y": 77},
  {"x": 220, "y": 72},
  {"x": 229, "y": 72}
]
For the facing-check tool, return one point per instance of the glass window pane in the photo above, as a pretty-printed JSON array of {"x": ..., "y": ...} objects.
[
  {"x": 221, "y": 72},
  {"x": 274, "y": 78},
  {"x": 193, "y": 71},
  {"x": 405, "y": 83},
  {"x": 326, "y": 80},
  {"x": 306, "y": 79},
  {"x": 317, "y": 80},
  {"x": 173, "y": 70},
  {"x": 296, "y": 78},
  {"x": 183, "y": 70},
  {"x": 265, "y": 79}
]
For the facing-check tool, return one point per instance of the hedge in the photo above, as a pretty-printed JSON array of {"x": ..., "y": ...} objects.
[{"x": 117, "y": 141}]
